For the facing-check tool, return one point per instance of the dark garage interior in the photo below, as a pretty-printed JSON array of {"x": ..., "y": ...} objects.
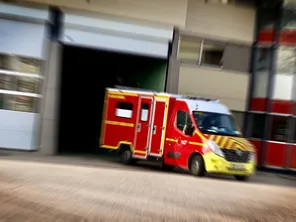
[{"x": 85, "y": 73}]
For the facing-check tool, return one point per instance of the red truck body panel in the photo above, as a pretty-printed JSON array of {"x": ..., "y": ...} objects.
[{"x": 147, "y": 123}]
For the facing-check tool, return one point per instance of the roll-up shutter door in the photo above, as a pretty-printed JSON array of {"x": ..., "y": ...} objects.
[
  {"x": 22, "y": 35},
  {"x": 115, "y": 35}
]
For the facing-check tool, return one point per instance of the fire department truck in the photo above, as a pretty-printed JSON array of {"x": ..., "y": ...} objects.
[{"x": 194, "y": 133}]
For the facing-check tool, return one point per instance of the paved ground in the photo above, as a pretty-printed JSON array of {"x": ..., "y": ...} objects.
[{"x": 74, "y": 189}]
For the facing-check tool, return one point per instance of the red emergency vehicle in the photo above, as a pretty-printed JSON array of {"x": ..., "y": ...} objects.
[{"x": 193, "y": 133}]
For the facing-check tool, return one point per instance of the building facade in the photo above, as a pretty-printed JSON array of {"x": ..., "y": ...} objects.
[
  {"x": 270, "y": 122},
  {"x": 238, "y": 51}
]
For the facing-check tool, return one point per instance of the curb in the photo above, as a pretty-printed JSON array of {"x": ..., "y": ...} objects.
[{"x": 283, "y": 173}]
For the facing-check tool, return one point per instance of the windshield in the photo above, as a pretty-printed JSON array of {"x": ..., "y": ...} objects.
[{"x": 216, "y": 123}]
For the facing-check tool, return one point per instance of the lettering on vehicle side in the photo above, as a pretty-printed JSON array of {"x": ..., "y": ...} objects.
[
  {"x": 184, "y": 142},
  {"x": 116, "y": 96}
]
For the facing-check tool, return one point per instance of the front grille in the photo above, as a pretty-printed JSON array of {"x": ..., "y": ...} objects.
[{"x": 234, "y": 156}]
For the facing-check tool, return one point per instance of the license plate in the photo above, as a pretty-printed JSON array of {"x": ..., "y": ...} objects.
[{"x": 239, "y": 167}]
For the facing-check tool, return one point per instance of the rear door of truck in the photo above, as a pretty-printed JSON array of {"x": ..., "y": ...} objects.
[{"x": 159, "y": 120}]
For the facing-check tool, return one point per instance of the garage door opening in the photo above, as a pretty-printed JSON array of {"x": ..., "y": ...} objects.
[{"x": 85, "y": 74}]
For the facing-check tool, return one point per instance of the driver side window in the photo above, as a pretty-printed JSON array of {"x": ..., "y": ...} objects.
[{"x": 184, "y": 123}]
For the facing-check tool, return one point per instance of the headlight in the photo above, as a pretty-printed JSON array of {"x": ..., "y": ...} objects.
[{"x": 215, "y": 148}]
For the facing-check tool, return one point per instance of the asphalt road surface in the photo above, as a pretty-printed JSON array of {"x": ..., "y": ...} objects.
[{"x": 85, "y": 189}]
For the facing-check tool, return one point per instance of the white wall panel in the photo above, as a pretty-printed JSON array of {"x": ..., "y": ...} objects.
[
  {"x": 17, "y": 130},
  {"x": 164, "y": 11},
  {"x": 261, "y": 84},
  {"x": 221, "y": 21},
  {"x": 229, "y": 87}
]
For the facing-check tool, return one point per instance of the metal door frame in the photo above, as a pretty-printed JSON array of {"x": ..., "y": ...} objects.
[{"x": 149, "y": 122}]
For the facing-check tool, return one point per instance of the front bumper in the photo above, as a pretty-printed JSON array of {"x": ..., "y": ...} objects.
[{"x": 217, "y": 164}]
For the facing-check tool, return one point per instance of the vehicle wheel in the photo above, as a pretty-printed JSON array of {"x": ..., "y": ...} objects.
[
  {"x": 126, "y": 156},
  {"x": 241, "y": 178},
  {"x": 197, "y": 166}
]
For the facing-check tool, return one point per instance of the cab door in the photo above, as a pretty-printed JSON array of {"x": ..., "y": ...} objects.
[
  {"x": 179, "y": 137},
  {"x": 143, "y": 126}
]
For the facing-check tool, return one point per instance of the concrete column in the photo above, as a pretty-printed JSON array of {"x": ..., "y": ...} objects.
[
  {"x": 174, "y": 65},
  {"x": 48, "y": 138},
  {"x": 50, "y": 102}
]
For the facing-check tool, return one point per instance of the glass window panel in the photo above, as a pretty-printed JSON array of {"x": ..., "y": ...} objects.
[
  {"x": 240, "y": 3},
  {"x": 262, "y": 59},
  {"x": 245, "y": 3},
  {"x": 285, "y": 60},
  {"x": 4, "y": 62},
  {"x": 212, "y": 54},
  {"x": 294, "y": 130},
  {"x": 29, "y": 65},
  {"x": 189, "y": 50},
  {"x": 1, "y": 61},
  {"x": 1, "y": 101},
  {"x": 184, "y": 122},
  {"x": 11, "y": 82},
  {"x": 26, "y": 65},
  {"x": 285, "y": 69},
  {"x": 256, "y": 125},
  {"x": 7, "y": 102},
  {"x": 124, "y": 110},
  {"x": 267, "y": 13},
  {"x": 261, "y": 72},
  {"x": 279, "y": 128},
  {"x": 18, "y": 83},
  {"x": 27, "y": 84},
  {"x": 288, "y": 17},
  {"x": 17, "y": 103},
  {"x": 24, "y": 103},
  {"x": 2, "y": 81},
  {"x": 288, "y": 24},
  {"x": 239, "y": 118}
]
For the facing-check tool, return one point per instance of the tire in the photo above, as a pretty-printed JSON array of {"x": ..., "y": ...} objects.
[
  {"x": 241, "y": 178},
  {"x": 126, "y": 156},
  {"x": 197, "y": 166}
]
